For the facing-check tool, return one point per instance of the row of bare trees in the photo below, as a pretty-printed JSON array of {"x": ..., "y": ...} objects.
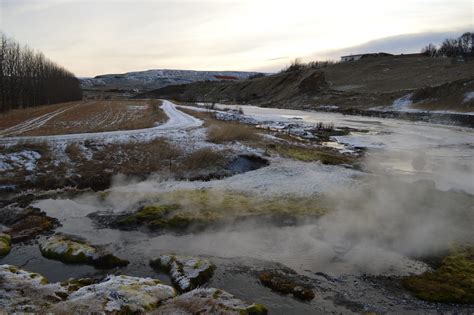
[
  {"x": 462, "y": 46},
  {"x": 28, "y": 78}
]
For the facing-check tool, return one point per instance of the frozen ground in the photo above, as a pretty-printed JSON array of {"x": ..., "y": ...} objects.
[
  {"x": 323, "y": 251},
  {"x": 178, "y": 121},
  {"x": 413, "y": 150}
]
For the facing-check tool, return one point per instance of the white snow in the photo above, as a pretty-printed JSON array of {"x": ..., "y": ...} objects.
[
  {"x": 178, "y": 121},
  {"x": 404, "y": 103},
  {"x": 24, "y": 159},
  {"x": 157, "y": 78},
  {"x": 117, "y": 293},
  {"x": 468, "y": 96}
]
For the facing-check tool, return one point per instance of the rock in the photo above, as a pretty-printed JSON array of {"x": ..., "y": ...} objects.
[
  {"x": 70, "y": 250},
  {"x": 5, "y": 244},
  {"x": 209, "y": 301},
  {"x": 118, "y": 295},
  {"x": 75, "y": 284},
  {"x": 187, "y": 273},
  {"x": 282, "y": 284},
  {"x": 25, "y": 224},
  {"x": 27, "y": 292}
]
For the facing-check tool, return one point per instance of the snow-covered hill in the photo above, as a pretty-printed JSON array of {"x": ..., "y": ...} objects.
[{"x": 154, "y": 79}]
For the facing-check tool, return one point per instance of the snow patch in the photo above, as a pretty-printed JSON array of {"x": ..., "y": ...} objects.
[
  {"x": 24, "y": 159},
  {"x": 469, "y": 96}
]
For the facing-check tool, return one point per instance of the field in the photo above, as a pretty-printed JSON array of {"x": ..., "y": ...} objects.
[{"x": 82, "y": 117}]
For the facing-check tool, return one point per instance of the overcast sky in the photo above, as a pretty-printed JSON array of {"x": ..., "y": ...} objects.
[{"x": 115, "y": 36}]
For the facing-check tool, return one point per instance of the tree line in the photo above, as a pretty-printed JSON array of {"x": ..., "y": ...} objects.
[
  {"x": 462, "y": 46},
  {"x": 28, "y": 78}
]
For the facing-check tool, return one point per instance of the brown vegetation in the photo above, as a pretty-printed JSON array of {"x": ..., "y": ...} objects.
[
  {"x": 231, "y": 132},
  {"x": 85, "y": 116},
  {"x": 224, "y": 131},
  {"x": 203, "y": 158},
  {"x": 363, "y": 84}
]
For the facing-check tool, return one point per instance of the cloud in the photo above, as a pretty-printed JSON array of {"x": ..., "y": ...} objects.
[{"x": 405, "y": 43}]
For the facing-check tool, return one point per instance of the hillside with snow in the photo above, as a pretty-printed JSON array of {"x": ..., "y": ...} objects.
[{"x": 154, "y": 79}]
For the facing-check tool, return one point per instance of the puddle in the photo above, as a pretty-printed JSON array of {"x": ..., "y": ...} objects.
[{"x": 246, "y": 163}]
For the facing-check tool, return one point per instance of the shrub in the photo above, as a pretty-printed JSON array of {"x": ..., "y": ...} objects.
[
  {"x": 231, "y": 132},
  {"x": 204, "y": 158}
]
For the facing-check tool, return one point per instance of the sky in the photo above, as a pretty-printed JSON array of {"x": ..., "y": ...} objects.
[{"x": 116, "y": 36}]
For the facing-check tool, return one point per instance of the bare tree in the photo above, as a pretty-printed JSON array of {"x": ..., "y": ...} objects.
[
  {"x": 28, "y": 79},
  {"x": 430, "y": 50}
]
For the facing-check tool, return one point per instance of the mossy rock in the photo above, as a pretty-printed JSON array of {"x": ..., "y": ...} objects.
[
  {"x": 198, "y": 209},
  {"x": 452, "y": 282},
  {"x": 75, "y": 251},
  {"x": 149, "y": 213},
  {"x": 210, "y": 301},
  {"x": 31, "y": 223},
  {"x": 255, "y": 309},
  {"x": 186, "y": 272},
  {"x": 117, "y": 295},
  {"x": 284, "y": 285},
  {"x": 75, "y": 284},
  {"x": 5, "y": 244}
]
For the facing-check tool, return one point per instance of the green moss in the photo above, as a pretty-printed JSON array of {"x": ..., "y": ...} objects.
[
  {"x": 256, "y": 309},
  {"x": 310, "y": 154},
  {"x": 150, "y": 213},
  {"x": 5, "y": 244},
  {"x": 183, "y": 209},
  {"x": 75, "y": 284},
  {"x": 216, "y": 294},
  {"x": 452, "y": 282},
  {"x": 78, "y": 252}
]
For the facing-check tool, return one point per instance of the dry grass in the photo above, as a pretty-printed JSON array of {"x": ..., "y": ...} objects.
[
  {"x": 17, "y": 116},
  {"x": 203, "y": 159},
  {"x": 224, "y": 131},
  {"x": 74, "y": 152},
  {"x": 227, "y": 132},
  {"x": 89, "y": 116}
]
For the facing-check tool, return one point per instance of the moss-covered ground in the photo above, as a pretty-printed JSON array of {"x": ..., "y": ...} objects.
[
  {"x": 452, "y": 282},
  {"x": 185, "y": 208}
]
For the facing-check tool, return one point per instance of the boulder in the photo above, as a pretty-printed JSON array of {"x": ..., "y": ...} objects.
[
  {"x": 24, "y": 224},
  {"x": 27, "y": 292},
  {"x": 209, "y": 301},
  {"x": 5, "y": 244},
  {"x": 70, "y": 250},
  {"x": 117, "y": 295},
  {"x": 187, "y": 273},
  {"x": 285, "y": 285}
]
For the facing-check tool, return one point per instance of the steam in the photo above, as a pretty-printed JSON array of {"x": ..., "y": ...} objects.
[{"x": 409, "y": 204}]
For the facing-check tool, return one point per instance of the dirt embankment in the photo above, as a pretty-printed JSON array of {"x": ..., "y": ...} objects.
[{"x": 357, "y": 85}]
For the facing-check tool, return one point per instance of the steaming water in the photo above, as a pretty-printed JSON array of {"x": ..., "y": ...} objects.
[
  {"x": 347, "y": 242},
  {"x": 441, "y": 153}
]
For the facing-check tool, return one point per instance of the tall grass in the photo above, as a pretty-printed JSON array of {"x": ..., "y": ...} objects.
[{"x": 227, "y": 132}]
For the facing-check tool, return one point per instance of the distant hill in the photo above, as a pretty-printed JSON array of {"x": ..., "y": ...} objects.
[
  {"x": 433, "y": 83},
  {"x": 155, "y": 79}
]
